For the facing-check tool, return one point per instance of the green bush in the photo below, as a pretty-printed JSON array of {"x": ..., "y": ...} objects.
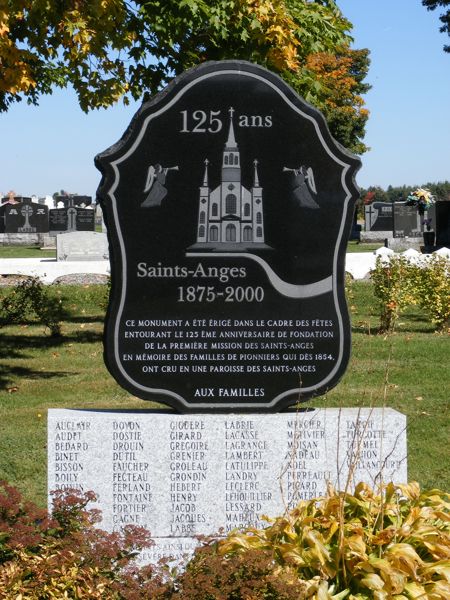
[
  {"x": 399, "y": 283},
  {"x": 30, "y": 299},
  {"x": 432, "y": 287}
]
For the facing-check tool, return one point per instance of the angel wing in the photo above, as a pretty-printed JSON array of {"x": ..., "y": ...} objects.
[
  {"x": 310, "y": 178},
  {"x": 150, "y": 178}
]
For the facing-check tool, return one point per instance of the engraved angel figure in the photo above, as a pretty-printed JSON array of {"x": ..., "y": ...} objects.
[
  {"x": 155, "y": 185},
  {"x": 304, "y": 186}
]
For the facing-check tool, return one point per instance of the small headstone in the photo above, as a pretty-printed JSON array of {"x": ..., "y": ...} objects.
[
  {"x": 26, "y": 217},
  {"x": 81, "y": 245},
  {"x": 184, "y": 475}
]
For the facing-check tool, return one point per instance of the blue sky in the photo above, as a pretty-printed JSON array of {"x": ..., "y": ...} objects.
[{"x": 52, "y": 147}]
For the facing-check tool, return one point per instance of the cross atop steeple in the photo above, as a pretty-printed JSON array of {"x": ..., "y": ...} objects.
[
  {"x": 231, "y": 142},
  {"x": 205, "y": 177},
  {"x": 256, "y": 179}
]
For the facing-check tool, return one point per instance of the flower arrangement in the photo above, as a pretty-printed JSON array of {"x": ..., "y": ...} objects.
[{"x": 422, "y": 199}]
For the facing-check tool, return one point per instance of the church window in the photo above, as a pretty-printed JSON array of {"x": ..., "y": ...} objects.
[
  {"x": 230, "y": 233},
  {"x": 214, "y": 234},
  {"x": 202, "y": 217},
  {"x": 259, "y": 231},
  {"x": 214, "y": 210},
  {"x": 236, "y": 160},
  {"x": 247, "y": 234},
  {"x": 259, "y": 218},
  {"x": 231, "y": 204},
  {"x": 226, "y": 159},
  {"x": 201, "y": 231},
  {"x": 247, "y": 210}
]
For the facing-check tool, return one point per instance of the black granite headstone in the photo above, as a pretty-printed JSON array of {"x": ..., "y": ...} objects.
[
  {"x": 2, "y": 217},
  {"x": 85, "y": 219},
  {"x": 73, "y": 218},
  {"x": 58, "y": 220},
  {"x": 228, "y": 207},
  {"x": 379, "y": 217},
  {"x": 406, "y": 221},
  {"x": 442, "y": 223},
  {"x": 26, "y": 217}
]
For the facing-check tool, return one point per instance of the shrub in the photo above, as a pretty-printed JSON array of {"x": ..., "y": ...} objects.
[
  {"x": 30, "y": 299},
  {"x": 432, "y": 287},
  {"x": 67, "y": 556},
  {"x": 399, "y": 283},
  {"x": 393, "y": 286},
  {"x": 394, "y": 543}
]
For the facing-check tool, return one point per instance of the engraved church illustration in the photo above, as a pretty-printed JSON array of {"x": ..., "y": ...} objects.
[{"x": 230, "y": 217}]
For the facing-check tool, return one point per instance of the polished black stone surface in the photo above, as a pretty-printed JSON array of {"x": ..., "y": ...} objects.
[
  {"x": 26, "y": 217},
  {"x": 228, "y": 207}
]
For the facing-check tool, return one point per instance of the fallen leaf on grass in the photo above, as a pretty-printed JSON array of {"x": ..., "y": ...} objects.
[{"x": 419, "y": 398}]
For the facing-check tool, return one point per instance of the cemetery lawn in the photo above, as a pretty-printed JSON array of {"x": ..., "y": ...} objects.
[
  {"x": 407, "y": 371},
  {"x": 36, "y": 252},
  {"x": 363, "y": 246}
]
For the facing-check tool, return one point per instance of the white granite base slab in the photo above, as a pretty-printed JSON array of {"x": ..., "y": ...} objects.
[{"x": 184, "y": 475}]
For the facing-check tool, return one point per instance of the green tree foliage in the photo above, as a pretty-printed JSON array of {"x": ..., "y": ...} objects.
[
  {"x": 444, "y": 17},
  {"x": 112, "y": 49},
  {"x": 440, "y": 190}
]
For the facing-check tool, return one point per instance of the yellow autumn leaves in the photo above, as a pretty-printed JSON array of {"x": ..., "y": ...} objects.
[{"x": 391, "y": 543}]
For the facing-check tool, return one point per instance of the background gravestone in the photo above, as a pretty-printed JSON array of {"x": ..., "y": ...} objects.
[
  {"x": 2, "y": 217},
  {"x": 228, "y": 208},
  {"x": 71, "y": 218},
  {"x": 26, "y": 217},
  {"x": 407, "y": 221},
  {"x": 442, "y": 221},
  {"x": 379, "y": 216},
  {"x": 81, "y": 245}
]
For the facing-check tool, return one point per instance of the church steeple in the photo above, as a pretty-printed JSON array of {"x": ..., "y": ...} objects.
[
  {"x": 231, "y": 141},
  {"x": 205, "y": 177},
  {"x": 231, "y": 163},
  {"x": 256, "y": 178}
]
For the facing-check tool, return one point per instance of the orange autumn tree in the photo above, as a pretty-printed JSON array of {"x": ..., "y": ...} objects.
[
  {"x": 341, "y": 77},
  {"x": 121, "y": 49}
]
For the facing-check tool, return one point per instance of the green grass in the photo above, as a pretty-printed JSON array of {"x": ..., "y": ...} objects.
[
  {"x": 363, "y": 247},
  {"x": 407, "y": 370},
  {"x": 36, "y": 252},
  {"x": 25, "y": 252}
]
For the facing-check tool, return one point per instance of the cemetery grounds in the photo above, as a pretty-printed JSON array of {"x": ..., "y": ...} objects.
[{"x": 406, "y": 370}]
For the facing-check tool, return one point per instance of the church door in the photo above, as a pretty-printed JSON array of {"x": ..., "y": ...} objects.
[{"x": 230, "y": 233}]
